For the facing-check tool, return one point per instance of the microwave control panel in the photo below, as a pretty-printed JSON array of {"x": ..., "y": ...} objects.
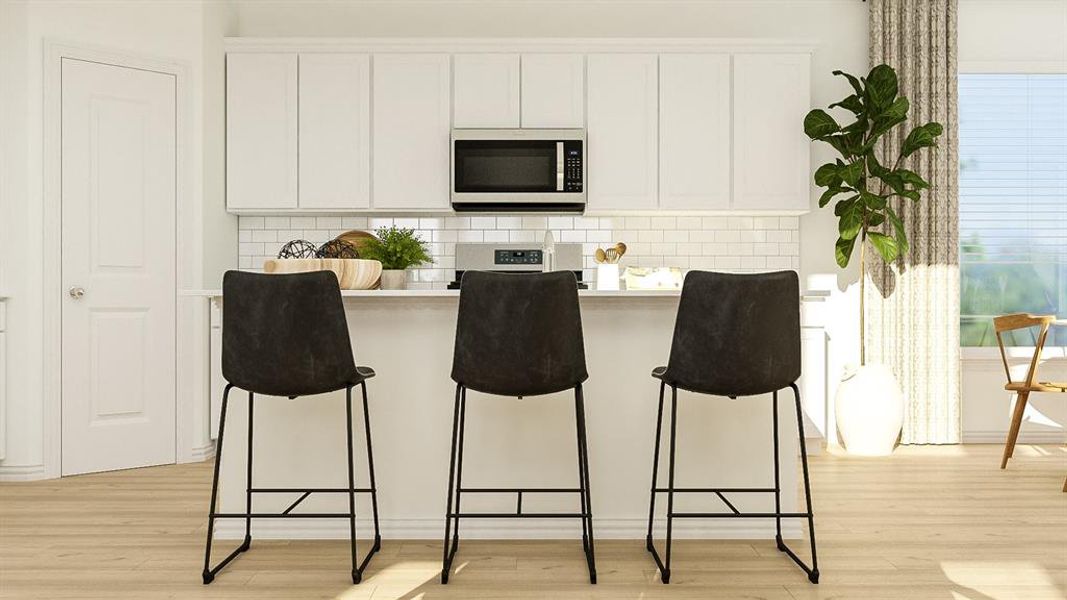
[{"x": 572, "y": 166}]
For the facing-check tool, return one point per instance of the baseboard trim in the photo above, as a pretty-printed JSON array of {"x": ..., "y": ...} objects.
[
  {"x": 431, "y": 529},
  {"x": 997, "y": 436},
  {"x": 202, "y": 453},
  {"x": 22, "y": 473}
]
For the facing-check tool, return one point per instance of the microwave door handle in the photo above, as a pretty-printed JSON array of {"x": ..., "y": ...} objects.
[{"x": 559, "y": 166}]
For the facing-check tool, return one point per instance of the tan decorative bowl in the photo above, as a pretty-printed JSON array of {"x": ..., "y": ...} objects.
[{"x": 354, "y": 273}]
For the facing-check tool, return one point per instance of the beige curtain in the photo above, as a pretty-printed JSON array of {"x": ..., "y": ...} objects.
[{"x": 913, "y": 306}]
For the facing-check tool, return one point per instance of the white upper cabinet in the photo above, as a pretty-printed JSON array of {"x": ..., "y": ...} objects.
[
  {"x": 772, "y": 93},
  {"x": 694, "y": 121},
  {"x": 553, "y": 90},
  {"x": 486, "y": 90},
  {"x": 622, "y": 116},
  {"x": 411, "y": 130},
  {"x": 261, "y": 131},
  {"x": 334, "y": 131}
]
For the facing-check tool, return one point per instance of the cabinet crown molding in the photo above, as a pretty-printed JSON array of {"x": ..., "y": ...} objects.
[{"x": 497, "y": 45}]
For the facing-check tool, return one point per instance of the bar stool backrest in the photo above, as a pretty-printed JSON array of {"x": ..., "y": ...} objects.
[
  {"x": 736, "y": 335},
  {"x": 519, "y": 334},
  {"x": 285, "y": 335}
]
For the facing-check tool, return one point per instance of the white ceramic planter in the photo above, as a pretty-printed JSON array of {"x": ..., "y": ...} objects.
[
  {"x": 870, "y": 410},
  {"x": 394, "y": 279}
]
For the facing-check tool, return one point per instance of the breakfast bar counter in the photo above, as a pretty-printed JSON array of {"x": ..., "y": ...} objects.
[{"x": 407, "y": 337}]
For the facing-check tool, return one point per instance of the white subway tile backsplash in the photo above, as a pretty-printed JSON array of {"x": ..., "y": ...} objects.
[
  {"x": 561, "y": 222},
  {"x": 483, "y": 222},
  {"x": 733, "y": 243}
]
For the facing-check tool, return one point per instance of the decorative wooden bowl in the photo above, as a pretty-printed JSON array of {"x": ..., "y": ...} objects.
[{"x": 352, "y": 273}]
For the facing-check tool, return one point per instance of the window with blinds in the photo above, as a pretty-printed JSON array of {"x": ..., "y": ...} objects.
[{"x": 1013, "y": 201}]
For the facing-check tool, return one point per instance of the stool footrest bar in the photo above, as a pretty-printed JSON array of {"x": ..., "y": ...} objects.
[
  {"x": 311, "y": 490},
  {"x": 730, "y": 515},
  {"x": 281, "y": 516},
  {"x": 662, "y": 490},
  {"x": 520, "y": 490},
  {"x": 519, "y": 515}
]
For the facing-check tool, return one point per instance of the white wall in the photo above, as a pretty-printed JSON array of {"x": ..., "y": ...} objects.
[
  {"x": 188, "y": 32},
  {"x": 1024, "y": 36}
]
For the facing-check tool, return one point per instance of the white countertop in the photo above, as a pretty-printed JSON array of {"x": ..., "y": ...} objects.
[{"x": 455, "y": 293}]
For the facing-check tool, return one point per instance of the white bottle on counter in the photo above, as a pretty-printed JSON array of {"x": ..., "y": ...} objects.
[{"x": 548, "y": 252}]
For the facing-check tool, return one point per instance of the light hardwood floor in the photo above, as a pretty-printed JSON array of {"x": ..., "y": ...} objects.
[{"x": 928, "y": 522}]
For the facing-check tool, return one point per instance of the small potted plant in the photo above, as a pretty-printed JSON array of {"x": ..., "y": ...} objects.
[{"x": 397, "y": 249}]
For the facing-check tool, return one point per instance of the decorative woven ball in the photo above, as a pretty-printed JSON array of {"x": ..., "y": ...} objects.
[
  {"x": 337, "y": 249},
  {"x": 297, "y": 249}
]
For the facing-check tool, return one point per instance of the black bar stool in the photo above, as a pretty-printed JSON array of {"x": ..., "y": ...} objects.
[
  {"x": 735, "y": 335},
  {"x": 518, "y": 335},
  {"x": 286, "y": 335}
]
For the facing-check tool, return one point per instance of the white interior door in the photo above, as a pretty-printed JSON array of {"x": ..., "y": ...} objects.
[{"x": 118, "y": 260}]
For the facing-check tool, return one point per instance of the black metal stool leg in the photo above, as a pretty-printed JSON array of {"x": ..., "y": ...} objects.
[
  {"x": 446, "y": 558},
  {"x": 209, "y": 573},
  {"x": 655, "y": 471},
  {"x": 248, "y": 478},
  {"x": 370, "y": 468},
  {"x": 777, "y": 477},
  {"x": 459, "y": 467},
  {"x": 666, "y": 571},
  {"x": 581, "y": 472},
  {"x": 357, "y": 575},
  {"x": 813, "y": 574},
  {"x": 587, "y": 500}
]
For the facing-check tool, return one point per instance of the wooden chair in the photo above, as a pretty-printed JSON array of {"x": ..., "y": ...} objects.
[{"x": 1024, "y": 388}]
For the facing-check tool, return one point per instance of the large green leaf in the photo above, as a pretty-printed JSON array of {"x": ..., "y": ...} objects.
[
  {"x": 843, "y": 251},
  {"x": 885, "y": 245},
  {"x": 851, "y": 172},
  {"x": 818, "y": 125},
  {"x": 873, "y": 166},
  {"x": 882, "y": 88},
  {"x": 851, "y": 220},
  {"x": 852, "y": 80},
  {"x": 853, "y": 104},
  {"x": 898, "y": 229},
  {"x": 913, "y": 179},
  {"x": 826, "y": 176},
  {"x": 843, "y": 205},
  {"x": 826, "y": 196},
  {"x": 922, "y": 136},
  {"x": 873, "y": 201},
  {"x": 890, "y": 118}
]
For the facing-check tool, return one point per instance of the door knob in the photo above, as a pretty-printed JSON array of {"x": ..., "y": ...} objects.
[{"x": 76, "y": 292}]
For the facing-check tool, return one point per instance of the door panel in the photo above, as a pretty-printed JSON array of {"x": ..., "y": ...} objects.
[
  {"x": 334, "y": 131},
  {"x": 694, "y": 131},
  {"x": 118, "y": 245},
  {"x": 553, "y": 90},
  {"x": 486, "y": 90},
  {"x": 623, "y": 124},
  {"x": 261, "y": 131},
  {"x": 772, "y": 93},
  {"x": 412, "y": 121}
]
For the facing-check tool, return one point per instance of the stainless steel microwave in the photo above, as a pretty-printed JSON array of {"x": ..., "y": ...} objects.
[{"x": 518, "y": 170}]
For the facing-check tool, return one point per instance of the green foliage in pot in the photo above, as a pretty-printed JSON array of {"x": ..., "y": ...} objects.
[
  {"x": 396, "y": 248},
  {"x": 867, "y": 182}
]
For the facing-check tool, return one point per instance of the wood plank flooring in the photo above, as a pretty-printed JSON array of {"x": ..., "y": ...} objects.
[{"x": 927, "y": 522}]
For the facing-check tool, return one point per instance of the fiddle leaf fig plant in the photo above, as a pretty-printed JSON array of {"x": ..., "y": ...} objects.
[{"x": 867, "y": 182}]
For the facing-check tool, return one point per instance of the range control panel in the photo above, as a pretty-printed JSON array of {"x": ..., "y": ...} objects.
[{"x": 518, "y": 257}]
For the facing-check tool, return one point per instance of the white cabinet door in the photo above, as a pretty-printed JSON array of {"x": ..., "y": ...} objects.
[
  {"x": 771, "y": 153},
  {"x": 411, "y": 130},
  {"x": 553, "y": 90},
  {"x": 694, "y": 135},
  {"x": 334, "y": 131},
  {"x": 486, "y": 88},
  {"x": 261, "y": 130},
  {"x": 622, "y": 131}
]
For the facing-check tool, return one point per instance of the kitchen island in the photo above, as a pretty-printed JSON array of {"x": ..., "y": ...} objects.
[{"x": 407, "y": 337}]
